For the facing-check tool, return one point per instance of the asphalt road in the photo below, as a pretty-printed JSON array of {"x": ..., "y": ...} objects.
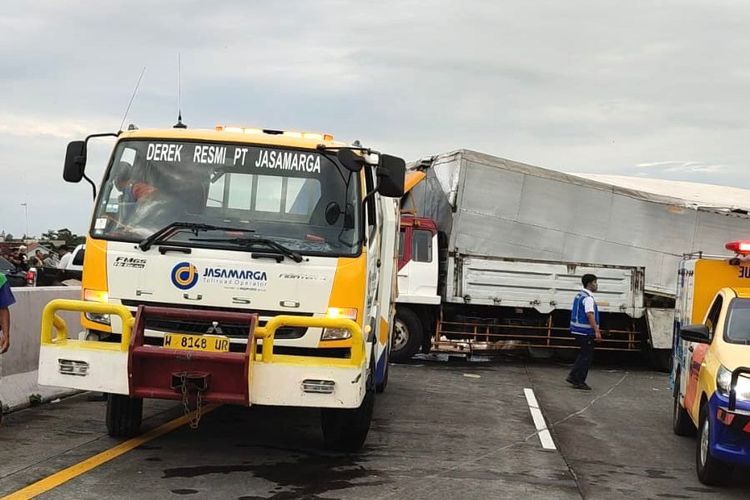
[
  {"x": 618, "y": 439},
  {"x": 441, "y": 430}
]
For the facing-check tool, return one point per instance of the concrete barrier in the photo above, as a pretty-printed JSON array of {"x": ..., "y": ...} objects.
[{"x": 18, "y": 366}]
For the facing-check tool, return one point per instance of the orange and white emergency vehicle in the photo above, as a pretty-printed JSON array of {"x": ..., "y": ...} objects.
[
  {"x": 711, "y": 360},
  {"x": 236, "y": 265}
]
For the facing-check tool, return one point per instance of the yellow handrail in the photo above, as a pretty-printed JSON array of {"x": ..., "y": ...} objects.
[
  {"x": 50, "y": 319},
  {"x": 268, "y": 332}
]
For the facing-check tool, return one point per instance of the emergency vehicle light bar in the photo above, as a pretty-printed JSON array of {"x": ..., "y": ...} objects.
[
  {"x": 740, "y": 247},
  {"x": 297, "y": 135}
]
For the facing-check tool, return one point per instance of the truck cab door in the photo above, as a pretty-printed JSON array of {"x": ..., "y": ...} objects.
[
  {"x": 404, "y": 257},
  {"x": 373, "y": 217}
]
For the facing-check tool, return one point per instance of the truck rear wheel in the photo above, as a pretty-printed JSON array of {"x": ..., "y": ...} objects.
[
  {"x": 681, "y": 423},
  {"x": 710, "y": 471},
  {"x": 407, "y": 335},
  {"x": 124, "y": 415},
  {"x": 346, "y": 430}
]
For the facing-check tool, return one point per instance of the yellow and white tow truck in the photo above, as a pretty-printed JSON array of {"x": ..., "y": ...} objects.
[
  {"x": 234, "y": 265},
  {"x": 711, "y": 360}
]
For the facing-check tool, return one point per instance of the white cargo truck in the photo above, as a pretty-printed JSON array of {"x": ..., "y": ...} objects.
[{"x": 492, "y": 252}]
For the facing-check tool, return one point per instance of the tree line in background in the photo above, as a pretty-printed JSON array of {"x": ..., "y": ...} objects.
[{"x": 58, "y": 237}]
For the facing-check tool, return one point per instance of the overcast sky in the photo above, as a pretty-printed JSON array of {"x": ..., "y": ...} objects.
[{"x": 652, "y": 88}]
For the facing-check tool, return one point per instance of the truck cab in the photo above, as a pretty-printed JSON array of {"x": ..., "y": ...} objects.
[
  {"x": 711, "y": 355},
  {"x": 236, "y": 265}
]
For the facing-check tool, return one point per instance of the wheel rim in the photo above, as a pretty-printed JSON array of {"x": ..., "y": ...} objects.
[
  {"x": 400, "y": 335},
  {"x": 704, "y": 442}
]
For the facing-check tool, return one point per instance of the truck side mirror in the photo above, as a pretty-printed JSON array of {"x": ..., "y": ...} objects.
[
  {"x": 391, "y": 173},
  {"x": 696, "y": 333},
  {"x": 75, "y": 161}
]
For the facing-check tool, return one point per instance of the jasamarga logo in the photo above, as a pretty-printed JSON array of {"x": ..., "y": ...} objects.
[
  {"x": 240, "y": 279},
  {"x": 184, "y": 275}
]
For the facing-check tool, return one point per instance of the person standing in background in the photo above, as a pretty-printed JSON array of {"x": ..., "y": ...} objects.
[
  {"x": 584, "y": 326},
  {"x": 65, "y": 257}
]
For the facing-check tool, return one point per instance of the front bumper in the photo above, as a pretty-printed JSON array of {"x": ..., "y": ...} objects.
[
  {"x": 730, "y": 432},
  {"x": 130, "y": 367}
]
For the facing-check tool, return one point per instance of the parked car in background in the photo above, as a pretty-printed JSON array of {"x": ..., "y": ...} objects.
[
  {"x": 76, "y": 263},
  {"x": 54, "y": 276}
]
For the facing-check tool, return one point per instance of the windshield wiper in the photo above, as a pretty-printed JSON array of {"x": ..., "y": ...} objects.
[
  {"x": 251, "y": 242},
  {"x": 193, "y": 226}
]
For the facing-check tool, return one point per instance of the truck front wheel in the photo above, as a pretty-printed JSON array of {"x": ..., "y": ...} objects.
[
  {"x": 346, "y": 430},
  {"x": 124, "y": 415},
  {"x": 710, "y": 471},
  {"x": 407, "y": 335}
]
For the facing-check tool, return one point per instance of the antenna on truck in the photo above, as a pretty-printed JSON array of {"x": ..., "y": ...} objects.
[
  {"x": 132, "y": 97},
  {"x": 179, "y": 123}
]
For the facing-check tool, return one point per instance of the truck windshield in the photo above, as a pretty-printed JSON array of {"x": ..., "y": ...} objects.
[
  {"x": 298, "y": 198},
  {"x": 738, "y": 322}
]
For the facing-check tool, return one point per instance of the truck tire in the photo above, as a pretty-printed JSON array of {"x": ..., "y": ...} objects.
[
  {"x": 407, "y": 335},
  {"x": 124, "y": 415},
  {"x": 346, "y": 430},
  {"x": 710, "y": 471},
  {"x": 681, "y": 423}
]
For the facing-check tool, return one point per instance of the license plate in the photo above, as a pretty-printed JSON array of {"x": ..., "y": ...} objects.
[{"x": 207, "y": 343}]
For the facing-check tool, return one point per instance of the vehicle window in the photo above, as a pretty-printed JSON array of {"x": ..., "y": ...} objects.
[
  {"x": 238, "y": 191},
  {"x": 370, "y": 185},
  {"x": 301, "y": 199},
  {"x": 713, "y": 316},
  {"x": 301, "y": 196},
  {"x": 269, "y": 194},
  {"x": 738, "y": 322},
  {"x": 216, "y": 195},
  {"x": 78, "y": 259},
  {"x": 421, "y": 246},
  {"x": 401, "y": 242}
]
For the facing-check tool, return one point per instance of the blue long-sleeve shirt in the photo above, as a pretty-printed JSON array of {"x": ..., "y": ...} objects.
[{"x": 6, "y": 295}]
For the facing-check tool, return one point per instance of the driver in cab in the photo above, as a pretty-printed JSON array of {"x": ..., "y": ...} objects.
[{"x": 132, "y": 186}]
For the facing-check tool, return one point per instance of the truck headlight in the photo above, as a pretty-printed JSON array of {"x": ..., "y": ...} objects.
[
  {"x": 339, "y": 333},
  {"x": 724, "y": 382},
  {"x": 96, "y": 296}
]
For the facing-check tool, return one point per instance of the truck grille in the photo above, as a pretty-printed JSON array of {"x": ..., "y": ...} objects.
[{"x": 199, "y": 327}]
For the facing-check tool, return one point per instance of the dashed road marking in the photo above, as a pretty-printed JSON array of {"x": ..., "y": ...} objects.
[{"x": 541, "y": 426}]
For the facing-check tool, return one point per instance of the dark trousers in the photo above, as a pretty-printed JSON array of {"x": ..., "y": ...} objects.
[{"x": 581, "y": 367}]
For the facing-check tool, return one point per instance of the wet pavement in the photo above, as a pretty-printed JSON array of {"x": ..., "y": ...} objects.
[
  {"x": 441, "y": 430},
  {"x": 618, "y": 438},
  {"x": 437, "y": 433}
]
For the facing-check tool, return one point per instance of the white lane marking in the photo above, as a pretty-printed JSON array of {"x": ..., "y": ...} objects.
[
  {"x": 541, "y": 426},
  {"x": 471, "y": 375}
]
